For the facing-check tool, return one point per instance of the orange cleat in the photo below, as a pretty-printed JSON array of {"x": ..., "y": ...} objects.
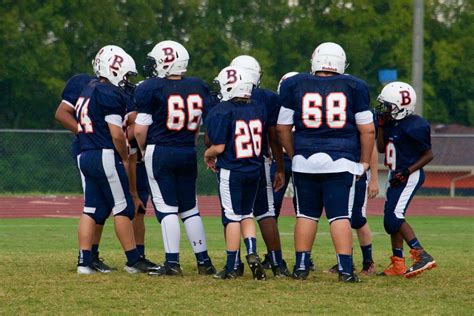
[{"x": 397, "y": 267}]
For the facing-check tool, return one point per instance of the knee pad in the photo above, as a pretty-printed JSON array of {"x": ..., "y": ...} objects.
[
  {"x": 129, "y": 211},
  {"x": 189, "y": 213},
  {"x": 358, "y": 221},
  {"x": 160, "y": 215},
  {"x": 391, "y": 223}
]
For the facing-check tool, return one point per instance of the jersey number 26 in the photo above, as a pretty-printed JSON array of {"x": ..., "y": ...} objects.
[{"x": 248, "y": 138}]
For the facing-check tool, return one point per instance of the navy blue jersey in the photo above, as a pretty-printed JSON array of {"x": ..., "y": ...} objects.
[
  {"x": 176, "y": 107},
  {"x": 405, "y": 141},
  {"x": 271, "y": 101},
  {"x": 241, "y": 127},
  {"x": 70, "y": 94},
  {"x": 324, "y": 113},
  {"x": 97, "y": 101}
]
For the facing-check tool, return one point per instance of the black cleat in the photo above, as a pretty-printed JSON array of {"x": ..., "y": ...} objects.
[
  {"x": 349, "y": 278},
  {"x": 421, "y": 261},
  {"x": 99, "y": 265},
  {"x": 224, "y": 274},
  {"x": 334, "y": 269},
  {"x": 281, "y": 271},
  {"x": 256, "y": 267},
  {"x": 151, "y": 265},
  {"x": 240, "y": 269},
  {"x": 139, "y": 267},
  {"x": 167, "y": 269},
  {"x": 312, "y": 267},
  {"x": 206, "y": 268},
  {"x": 267, "y": 262},
  {"x": 300, "y": 274}
]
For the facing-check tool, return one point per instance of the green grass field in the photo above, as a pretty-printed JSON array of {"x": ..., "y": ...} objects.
[{"x": 37, "y": 273}]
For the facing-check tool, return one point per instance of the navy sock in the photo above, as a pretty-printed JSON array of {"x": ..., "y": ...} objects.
[
  {"x": 132, "y": 256},
  {"x": 231, "y": 260},
  {"x": 85, "y": 258},
  {"x": 367, "y": 253},
  {"x": 397, "y": 252},
  {"x": 202, "y": 257},
  {"x": 302, "y": 260},
  {"x": 345, "y": 264},
  {"x": 251, "y": 244},
  {"x": 95, "y": 250},
  {"x": 414, "y": 244},
  {"x": 141, "y": 250},
  {"x": 172, "y": 258},
  {"x": 277, "y": 258}
]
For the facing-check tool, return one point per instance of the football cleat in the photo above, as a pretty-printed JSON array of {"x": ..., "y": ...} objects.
[
  {"x": 281, "y": 271},
  {"x": 421, "y": 261},
  {"x": 258, "y": 272},
  {"x": 86, "y": 270},
  {"x": 396, "y": 267},
  {"x": 312, "y": 267},
  {"x": 334, "y": 269},
  {"x": 150, "y": 264},
  {"x": 240, "y": 269},
  {"x": 267, "y": 262},
  {"x": 224, "y": 274},
  {"x": 140, "y": 266},
  {"x": 349, "y": 278},
  {"x": 206, "y": 268},
  {"x": 100, "y": 266},
  {"x": 300, "y": 274},
  {"x": 167, "y": 269},
  {"x": 368, "y": 268}
]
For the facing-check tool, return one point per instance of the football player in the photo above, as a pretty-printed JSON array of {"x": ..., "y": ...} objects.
[
  {"x": 333, "y": 127},
  {"x": 405, "y": 139},
  {"x": 65, "y": 115},
  {"x": 236, "y": 129},
  {"x": 100, "y": 111},
  {"x": 170, "y": 108},
  {"x": 264, "y": 208}
]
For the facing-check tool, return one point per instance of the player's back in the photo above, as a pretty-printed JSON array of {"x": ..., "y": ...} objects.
[
  {"x": 242, "y": 128},
  {"x": 270, "y": 100},
  {"x": 325, "y": 109},
  {"x": 406, "y": 140},
  {"x": 100, "y": 103},
  {"x": 176, "y": 107}
]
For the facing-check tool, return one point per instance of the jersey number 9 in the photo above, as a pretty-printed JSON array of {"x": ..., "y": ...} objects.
[
  {"x": 312, "y": 114},
  {"x": 176, "y": 112}
]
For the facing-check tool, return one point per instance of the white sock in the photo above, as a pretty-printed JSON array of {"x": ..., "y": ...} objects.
[
  {"x": 171, "y": 233},
  {"x": 195, "y": 232}
]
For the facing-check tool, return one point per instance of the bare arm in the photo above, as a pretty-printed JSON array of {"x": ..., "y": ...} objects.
[
  {"x": 120, "y": 143},
  {"x": 65, "y": 115},
  {"x": 277, "y": 153},
  {"x": 380, "y": 140},
  {"x": 373, "y": 187},
  {"x": 367, "y": 140},
  {"x": 130, "y": 124},
  {"x": 285, "y": 136},
  {"x": 425, "y": 158},
  {"x": 140, "y": 133},
  {"x": 211, "y": 154},
  {"x": 132, "y": 182}
]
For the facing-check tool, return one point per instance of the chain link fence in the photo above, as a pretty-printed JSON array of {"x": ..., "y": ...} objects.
[{"x": 40, "y": 161}]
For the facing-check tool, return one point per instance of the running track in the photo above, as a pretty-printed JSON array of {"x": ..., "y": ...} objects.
[{"x": 71, "y": 206}]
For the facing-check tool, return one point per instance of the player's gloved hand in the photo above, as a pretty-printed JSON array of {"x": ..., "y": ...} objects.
[
  {"x": 399, "y": 176},
  {"x": 381, "y": 118}
]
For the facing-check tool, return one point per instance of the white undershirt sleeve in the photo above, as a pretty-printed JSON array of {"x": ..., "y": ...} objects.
[
  {"x": 363, "y": 118},
  {"x": 285, "y": 117},
  {"x": 144, "y": 119}
]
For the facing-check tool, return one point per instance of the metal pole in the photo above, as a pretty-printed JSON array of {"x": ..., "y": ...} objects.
[{"x": 417, "y": 57}]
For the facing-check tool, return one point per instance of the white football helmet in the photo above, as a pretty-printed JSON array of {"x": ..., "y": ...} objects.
[
  {"x": 114, "y": 64},
  {"x": 251, "y": 65},
  {"x": 167, "y": 58},
  {"x": 398, "y": 99},
  {"x": 234, "y": 82},
  {"x": 328, "y": 57},
  {"x": 286, "y": 76}
]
